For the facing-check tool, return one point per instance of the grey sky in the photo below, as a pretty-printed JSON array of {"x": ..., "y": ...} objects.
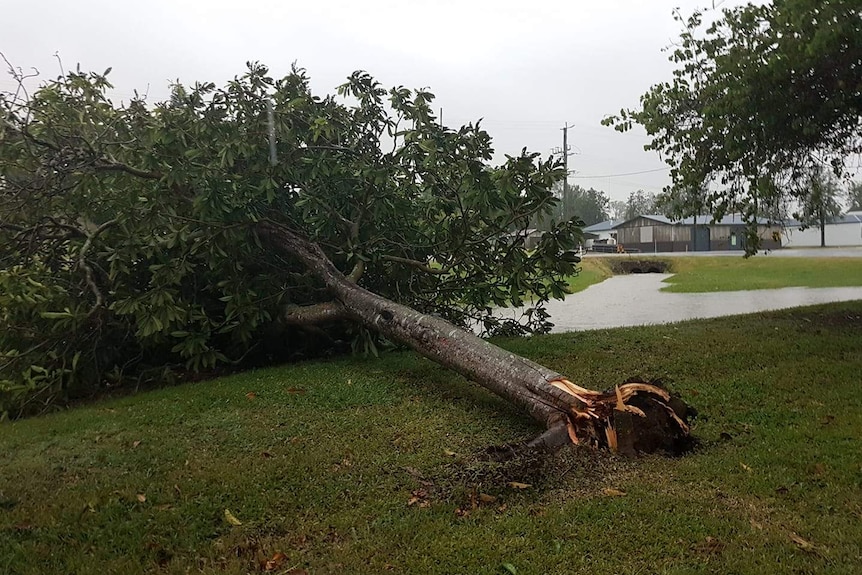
[{"x": 525, "y": 67}]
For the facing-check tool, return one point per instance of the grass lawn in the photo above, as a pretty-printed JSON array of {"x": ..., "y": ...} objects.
[
  {"x": 368, "y": 466},
  {"x": 712, "y": 274},
  {"x": 728, "y": 273},
  {"x": 593, "y": 271}
]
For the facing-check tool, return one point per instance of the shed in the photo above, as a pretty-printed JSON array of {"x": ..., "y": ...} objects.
[
  {"x": 602, "y": 233},
  {"x": 657, "y": 233}
]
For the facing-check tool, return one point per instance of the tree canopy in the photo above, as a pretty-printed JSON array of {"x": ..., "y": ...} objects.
[
  {"x": 853, "y": 196},
  {"x": 640, "y": 203},
  {"x": 588, "y": 206},
  {"x": 131, "y": 243},
  {"x": 821, "y": 202},
  {"x": 758, "y": 97}
]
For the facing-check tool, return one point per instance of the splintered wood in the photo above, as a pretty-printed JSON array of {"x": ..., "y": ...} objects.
[{"x": 594, "y": 418}]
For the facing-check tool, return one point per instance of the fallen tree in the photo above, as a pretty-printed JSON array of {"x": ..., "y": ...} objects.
[
  {"x": 635, "y": 417},
  {"x": 232, "y": 223}
]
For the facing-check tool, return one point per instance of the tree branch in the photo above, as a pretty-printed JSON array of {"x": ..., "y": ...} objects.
[
  {"x": 313, "y": 314},
  {"x": 356, "y": 272},
  {"x": 421, "y": 266},
  {"x": 103, "y": 164},
  {"x": 114, "y": 166},
  {"x": 88, "y": 270}
]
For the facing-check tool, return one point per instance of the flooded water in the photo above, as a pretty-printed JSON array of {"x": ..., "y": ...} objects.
[{"x": 629, "y": 300}]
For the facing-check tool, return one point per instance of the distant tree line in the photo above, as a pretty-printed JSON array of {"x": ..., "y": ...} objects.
[{"x": 591, "y": 206}]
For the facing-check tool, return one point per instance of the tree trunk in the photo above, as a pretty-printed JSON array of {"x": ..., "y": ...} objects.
[
  {"x": 822, "y": 229},
  {"x": 633, "y": 417}
]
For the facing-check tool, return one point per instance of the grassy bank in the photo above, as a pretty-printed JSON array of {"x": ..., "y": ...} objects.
[
  {"x": 728, "y": 273},
  {"x": 363, "y": 466},
  {"x": 593, "y": 271},
  {"x": 705, "y": 274}
]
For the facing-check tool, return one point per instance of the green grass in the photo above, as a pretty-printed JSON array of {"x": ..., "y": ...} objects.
[
  {"x": 321, "y": 463},
  {"x": 728, "y": 273},
  {"x": 593, "y": 271},
  {"x": 705, "y": 274}
]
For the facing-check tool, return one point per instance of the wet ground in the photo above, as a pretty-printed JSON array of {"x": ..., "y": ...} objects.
[
  {"x": 828, "y": 252},
  {"x": 629, "y": 300}
]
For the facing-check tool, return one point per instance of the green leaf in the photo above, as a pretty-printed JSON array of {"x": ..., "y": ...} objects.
[{"x": 55, "y": 315}]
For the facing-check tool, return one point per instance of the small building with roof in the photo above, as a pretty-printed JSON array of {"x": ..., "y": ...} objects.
[
  {"x": 840, "y": 231},
  {"x": 600, "y": 234},
  {"x": 654, "y": 233}
]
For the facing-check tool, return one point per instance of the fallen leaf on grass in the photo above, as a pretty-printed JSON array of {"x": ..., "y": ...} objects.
[
  {"x": 265, "y": 454},
  {"x": 485, "y": 498},
  {"x": 449, "y": 452},
  {"x": 296, "y": 390},
  {"x": 251, "y": 395},
  {"x": 745, "y": 467},
  {"x": 419, "y": 497},
  {"x": 806, "y": 546},
  {"x": 141, "y": 497},
  {"x": 136, "y": 443},
  {"x": 756, "y": 525},
  {"x": 518, "y": 485},
  {"x": 611, "y": 492},
  {"x": 229, "y": 517},
  {"x": 462, "y": 512},
  {"x": 276, "y": 562}
]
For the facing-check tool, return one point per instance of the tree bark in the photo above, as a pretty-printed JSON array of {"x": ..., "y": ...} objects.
[
  {"x": 822, "y": 219},
  {"x": 633, "y": 417}
]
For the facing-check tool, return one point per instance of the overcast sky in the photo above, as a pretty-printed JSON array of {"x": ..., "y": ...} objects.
[{"x": 525, "y": 67}]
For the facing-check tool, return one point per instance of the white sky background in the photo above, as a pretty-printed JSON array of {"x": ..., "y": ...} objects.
[{"x": 525, "y": 67}]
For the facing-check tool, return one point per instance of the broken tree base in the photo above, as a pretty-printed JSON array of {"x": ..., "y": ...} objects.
[
  {"x": 631, "y": 419},
  {"x": 635, "y": 417}
]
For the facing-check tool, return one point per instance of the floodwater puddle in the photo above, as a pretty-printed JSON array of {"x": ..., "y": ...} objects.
[{"x": 629, "y": 300}]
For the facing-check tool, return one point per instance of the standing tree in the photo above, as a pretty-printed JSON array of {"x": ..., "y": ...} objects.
[
  {"x": 853, "y": 197},
  {"x": 758, "y": 97},
  {"x": 618, "y": 209},
  {"x": 135, "y": 237},
  {"x": 591, "y": 206},
  {"x": 587, "y": 206},
  {"x": 820, "y": 204},
  {"x": 678, "y": 203},
  {"x": 640, "y": 203}
]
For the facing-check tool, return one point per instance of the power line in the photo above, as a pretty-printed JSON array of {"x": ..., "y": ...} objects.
[{"x": 625, "y": 174}]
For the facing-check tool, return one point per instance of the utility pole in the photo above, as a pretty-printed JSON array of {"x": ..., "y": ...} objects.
[{"x": 565, "y": 152}]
